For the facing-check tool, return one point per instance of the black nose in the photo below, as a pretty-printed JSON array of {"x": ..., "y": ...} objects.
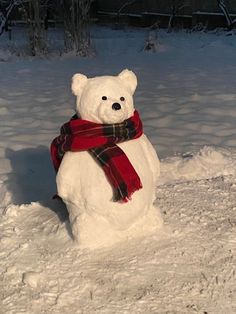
[{"x": 116, "y": 106}]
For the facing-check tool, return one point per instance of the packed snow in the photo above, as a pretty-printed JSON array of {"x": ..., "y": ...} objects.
[{"x": 186, "y": 98}]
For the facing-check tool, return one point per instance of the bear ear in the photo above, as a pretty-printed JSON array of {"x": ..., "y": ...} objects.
[
  {"x": 78, "y": 83},
  {"x": 129, "y": 79}
]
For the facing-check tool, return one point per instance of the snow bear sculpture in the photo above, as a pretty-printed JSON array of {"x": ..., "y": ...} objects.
[{"x": 96, "y": 218}]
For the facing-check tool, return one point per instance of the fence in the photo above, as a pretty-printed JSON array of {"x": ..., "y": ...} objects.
[{"x": 186, "y": 12}]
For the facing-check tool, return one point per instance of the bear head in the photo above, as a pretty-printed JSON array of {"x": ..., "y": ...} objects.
[{"x": 105, "y": 99}]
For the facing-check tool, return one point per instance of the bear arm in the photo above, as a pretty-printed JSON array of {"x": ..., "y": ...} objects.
[{"x": 153, "y": 159}]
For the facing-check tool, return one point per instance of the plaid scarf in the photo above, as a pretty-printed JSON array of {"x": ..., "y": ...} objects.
[{"x": 100, "y": 140}]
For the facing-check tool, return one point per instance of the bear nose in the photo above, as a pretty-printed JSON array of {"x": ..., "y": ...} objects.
[{"x": 116, "y": 106}]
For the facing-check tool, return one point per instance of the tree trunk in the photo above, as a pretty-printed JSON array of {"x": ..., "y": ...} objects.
[
  {"x": 37, "y": 40},
  {"x": 68, "y": 26},
  {"x": 76, "y": 22}
]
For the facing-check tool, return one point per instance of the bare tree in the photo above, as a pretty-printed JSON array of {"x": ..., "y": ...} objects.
[
  {"x": 4, "y": 14},
  {"x": 36, "y": 29},
  {"x": 177, "y": 5},
  {"x": 124, "y": 5},
  {"x": 68, "y": 25},
  {"x": 77, "y": 22},
  {"x": 223, "y": 7},
  {"x": 34, "y": 11}
]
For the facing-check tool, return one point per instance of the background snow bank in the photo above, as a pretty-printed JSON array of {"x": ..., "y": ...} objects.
[{"x": 208, "y": 163}]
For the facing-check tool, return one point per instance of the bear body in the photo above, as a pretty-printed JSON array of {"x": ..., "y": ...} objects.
[{"x": 96, "y": 219}]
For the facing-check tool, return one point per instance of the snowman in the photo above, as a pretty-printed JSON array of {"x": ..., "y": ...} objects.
[{"x": 107, "y": 169}]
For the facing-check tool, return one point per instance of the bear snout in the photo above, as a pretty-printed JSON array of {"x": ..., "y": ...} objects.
[{"x": 116, "y": 106}]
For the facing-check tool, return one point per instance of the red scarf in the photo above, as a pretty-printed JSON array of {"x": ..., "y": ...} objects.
[{"x": 100, "y": 140}]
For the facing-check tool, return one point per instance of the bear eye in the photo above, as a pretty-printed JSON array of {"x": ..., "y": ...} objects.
[
  {"x": 104, "y": 97},
  {"x": 122, "y": 98}
]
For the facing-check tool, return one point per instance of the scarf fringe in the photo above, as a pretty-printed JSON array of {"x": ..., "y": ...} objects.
[{"x": 126, "y": 197}]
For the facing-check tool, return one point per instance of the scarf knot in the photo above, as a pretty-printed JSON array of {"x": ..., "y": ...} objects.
[{"x": 100, "y": 141}]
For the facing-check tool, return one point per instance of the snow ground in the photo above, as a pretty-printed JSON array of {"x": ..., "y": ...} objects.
[{"x": 186, "y": 97}]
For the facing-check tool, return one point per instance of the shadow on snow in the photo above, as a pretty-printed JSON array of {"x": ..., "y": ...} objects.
[{"x": 33, "y": 179}]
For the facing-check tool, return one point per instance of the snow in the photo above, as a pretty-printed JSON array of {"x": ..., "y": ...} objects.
[{"x": 186, "y": 98}]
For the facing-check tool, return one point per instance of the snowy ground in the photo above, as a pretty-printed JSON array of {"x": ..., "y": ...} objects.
[{"x": 186, "y": 97}]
